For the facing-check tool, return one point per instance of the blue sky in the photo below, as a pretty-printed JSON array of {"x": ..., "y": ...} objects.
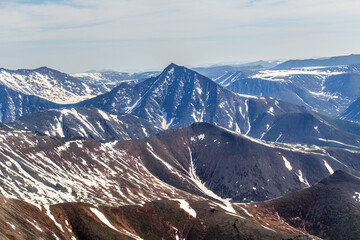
[{"x": 135, "y": 35}]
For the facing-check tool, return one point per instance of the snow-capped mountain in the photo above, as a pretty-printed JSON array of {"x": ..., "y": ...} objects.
[
  {"x": 47, "y": 170},
  {"x": 63, "y": 88},
  {"x": 78, "y": 122},
  {"x": 179, "y": 97},
  {"x": 49, "y": 84}
]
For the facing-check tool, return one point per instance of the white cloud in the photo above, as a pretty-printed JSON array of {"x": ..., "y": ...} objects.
[{"x": 239, "y": 30}]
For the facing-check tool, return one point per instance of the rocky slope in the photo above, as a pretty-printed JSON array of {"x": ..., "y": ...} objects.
[
  {"x": 308, "y": 128},
  {"x": 327, "y": 210},
  {"x": 202, "y": 159},
  {"x": 167, "y": 219}
]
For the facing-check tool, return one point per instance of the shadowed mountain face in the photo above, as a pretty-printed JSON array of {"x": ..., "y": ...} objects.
[
  {"x": 78, "y": 122},
  {"x": 15, "y": 104},
  {"x": 352, "y": 113},
  {"x": 309, "y": 128},
  {"x": 328, "y": 209}
]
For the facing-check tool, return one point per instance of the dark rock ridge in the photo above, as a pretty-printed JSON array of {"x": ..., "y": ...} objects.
[
  {"x": 75, "y": 122},
  {"x": 329, "y": 209}
]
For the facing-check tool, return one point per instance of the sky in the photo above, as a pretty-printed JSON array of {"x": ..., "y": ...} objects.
[{"x": 137, "y": 35}]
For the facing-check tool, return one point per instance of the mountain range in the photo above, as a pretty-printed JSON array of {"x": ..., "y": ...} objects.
[
  {"x": 331, "y": 61},
  {"x": 166, "y": 175},
  {"x": 233, "y": 152}
]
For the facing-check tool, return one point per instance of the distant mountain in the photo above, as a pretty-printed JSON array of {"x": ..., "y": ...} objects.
[
  {"x": 283, "y": 90},
  {"x": 75, "y": 122},
  {"x": 327, "y": 90},
  {"x": 15, "y": 104},
  {"x": 329, "y": 209},
  {"x": 112, "y": 78},
  {"x": 217, "y": 72},
  {"x": 332, "y": 61},
  {"x": 352, "y": 113},
  {"x": 345, "y": 85}
]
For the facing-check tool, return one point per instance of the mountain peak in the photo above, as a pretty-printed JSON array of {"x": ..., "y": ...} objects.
[
  {"x": 45, "y": 69},
  {"x": 173, "y": 67}
]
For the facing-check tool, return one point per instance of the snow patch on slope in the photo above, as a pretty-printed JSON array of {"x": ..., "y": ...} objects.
[
  {"x": 186, "y": 207},
  {"x": 287, "y": 163}
]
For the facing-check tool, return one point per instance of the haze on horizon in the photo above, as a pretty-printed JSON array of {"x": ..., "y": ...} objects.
[{"x": 78, "y": 35}]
